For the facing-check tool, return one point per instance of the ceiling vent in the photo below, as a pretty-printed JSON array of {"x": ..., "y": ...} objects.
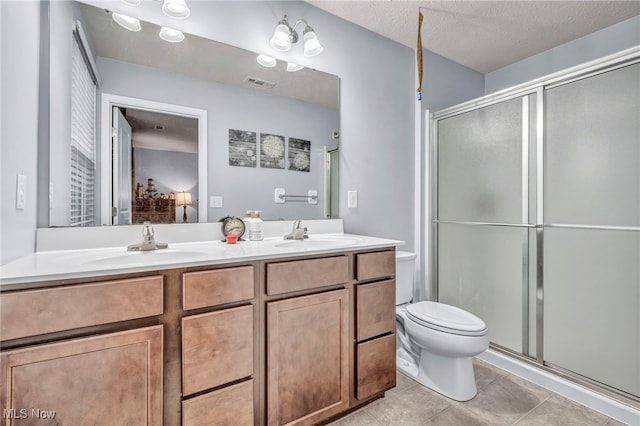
[{"x": 260, "y": 83}]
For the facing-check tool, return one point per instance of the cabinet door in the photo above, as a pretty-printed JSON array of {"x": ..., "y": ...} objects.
[
  {"x": 103, "y": 380},
  {"x": 307, "y": 358}
]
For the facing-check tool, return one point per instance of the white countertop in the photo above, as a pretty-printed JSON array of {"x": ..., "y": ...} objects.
[{"x": 80, "y": 263}]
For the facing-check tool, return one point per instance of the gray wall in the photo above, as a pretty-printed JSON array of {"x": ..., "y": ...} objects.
[
  {"x": 593, "y": 46},
  {"x": 447, "y": 83},
  {"x": 230, "y": 107},
  {"x": 19, "y": 38},
  {"x": 377, "y": 115}
]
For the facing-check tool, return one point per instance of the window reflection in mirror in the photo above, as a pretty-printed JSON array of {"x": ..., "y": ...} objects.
[{"x": 200, "y": 74}]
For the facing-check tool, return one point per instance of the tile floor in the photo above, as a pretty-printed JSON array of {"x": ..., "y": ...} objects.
[{"x": 502, "y": 399}]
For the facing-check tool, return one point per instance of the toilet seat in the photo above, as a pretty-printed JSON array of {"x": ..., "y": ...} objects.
[{"x": 446, "y": 318}]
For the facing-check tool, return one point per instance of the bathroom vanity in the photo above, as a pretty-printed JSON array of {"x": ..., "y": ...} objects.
[{"x": 261, "y": 333}]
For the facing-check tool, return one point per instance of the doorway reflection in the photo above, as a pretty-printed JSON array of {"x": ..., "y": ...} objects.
[{"x": 164, "y": 163}]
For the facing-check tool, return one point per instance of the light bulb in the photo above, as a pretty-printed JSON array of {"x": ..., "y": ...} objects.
[
  {"x": 171, "y": 35},
  {"x": 132, "y": 24},
  {"x": 177, "y": 9},
  {"x": 312, "y": 46},
  {"x": 291, "y": 67},
  {"x": 266, "y": 61},
  {"x": 280, "y": 40}
]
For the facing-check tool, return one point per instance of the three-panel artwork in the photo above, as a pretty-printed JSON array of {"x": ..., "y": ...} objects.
[{"x": 269, "y": 151}]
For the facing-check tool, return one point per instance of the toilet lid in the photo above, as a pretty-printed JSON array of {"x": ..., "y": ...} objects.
[{"x": 446, "y": 318}]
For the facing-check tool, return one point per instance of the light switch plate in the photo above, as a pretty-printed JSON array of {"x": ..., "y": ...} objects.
[
  {"x": 215, "y": 201},
  {"x": 50, "y": 195},
  {"x": 21, "y": 192},
  {"x": 352, "y": 199}
]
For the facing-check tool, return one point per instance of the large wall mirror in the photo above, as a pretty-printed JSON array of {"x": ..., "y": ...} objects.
[{"x": 188, "y": 131}]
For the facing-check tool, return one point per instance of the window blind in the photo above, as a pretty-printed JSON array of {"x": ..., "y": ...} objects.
[{"x": 83, "y": 141}]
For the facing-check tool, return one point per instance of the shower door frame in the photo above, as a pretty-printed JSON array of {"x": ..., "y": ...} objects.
[{"x": 536, "y": 87}]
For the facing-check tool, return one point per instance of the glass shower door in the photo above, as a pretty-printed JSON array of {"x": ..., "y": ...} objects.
[
  {"x": 592, "y": 228},
  {"x": 483, "y": 217}
]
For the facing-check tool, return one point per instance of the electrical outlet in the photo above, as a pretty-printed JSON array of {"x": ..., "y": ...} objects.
[
  {"x": 352, "y": 199},
  {"x": 215, "y": 201},
  {"x": 21, "y": 192},
  {"x": 312, "y": 195}
]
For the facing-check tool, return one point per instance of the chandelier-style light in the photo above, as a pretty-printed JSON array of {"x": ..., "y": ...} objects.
[{"x": 285, "y": 36}]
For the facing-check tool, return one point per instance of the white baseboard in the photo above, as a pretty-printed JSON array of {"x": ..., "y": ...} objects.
[{"x": 607, "y": 406}]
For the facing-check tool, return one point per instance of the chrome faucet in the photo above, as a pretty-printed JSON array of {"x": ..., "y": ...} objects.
[
  {"x": 297, "y": 233},
  {"x": 148, "y": 240}
]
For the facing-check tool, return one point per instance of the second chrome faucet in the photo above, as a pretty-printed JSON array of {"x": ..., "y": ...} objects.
[{"x": 297, "y": 233}]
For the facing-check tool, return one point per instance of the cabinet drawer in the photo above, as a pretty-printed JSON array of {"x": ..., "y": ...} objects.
[
  {"x": 225, "y": 407},
  {"x": 34, "y": 312},
  {"x": 375, "y": 265},
  {"x": 217, "y": 348},
  {"x": 210, "y": 288},
  {"x": 376, "y": 366},
  {"x": 297, "y": 275},
  {"x": 375, "y": 309}
]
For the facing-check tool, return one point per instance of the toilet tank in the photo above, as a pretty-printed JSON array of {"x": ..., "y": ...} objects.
[{"x": 405, "y": 271}]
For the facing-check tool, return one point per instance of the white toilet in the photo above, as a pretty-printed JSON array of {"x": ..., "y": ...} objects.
[{"x": 435, "y": 342}]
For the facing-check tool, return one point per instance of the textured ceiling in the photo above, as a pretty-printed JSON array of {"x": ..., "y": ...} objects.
[{"x": 483, "y": 35}]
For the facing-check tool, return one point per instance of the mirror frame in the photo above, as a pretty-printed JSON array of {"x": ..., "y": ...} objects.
[{"x": 109, "y": 100}]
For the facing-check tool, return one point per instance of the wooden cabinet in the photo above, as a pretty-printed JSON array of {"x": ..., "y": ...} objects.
[
  {"x": 34, "y": 312},
  {"x": 376, "y": 366},
  {"x": 277, "y": 341},
  {"x": 100, "y": 380},
  {"x": 375, "y": 351},
  {"x": 307, "y": 358},
  {"x": 153, "y": 210},
  {"x": 375, "y": 309},
  {"x": 285, "y": 277},
  {"x": 217, "y": 348},
  {"x": 217, "y": 287},
  {"x": 230, "y": 406},
  {"x": 375, "y": 265}
]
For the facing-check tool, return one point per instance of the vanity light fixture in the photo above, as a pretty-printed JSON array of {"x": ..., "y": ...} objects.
[
  {"x": 266, "y": 61},
  {"x": 132, "y": 24},
  {"x": 285, "y": 35},
  {"x": 171, "y": 35},
  {"x": 176, "y": 9}
]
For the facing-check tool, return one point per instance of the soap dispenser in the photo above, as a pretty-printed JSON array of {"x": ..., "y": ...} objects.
[
  {"x": 247, "y": 221},
  {"x": 256, "y": 227}
]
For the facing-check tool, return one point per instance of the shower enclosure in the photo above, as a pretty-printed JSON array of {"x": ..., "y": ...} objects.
[{"x": 536, "y": 220}]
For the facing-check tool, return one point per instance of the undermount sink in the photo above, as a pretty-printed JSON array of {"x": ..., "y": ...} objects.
[
  {"x": 150, "y": 257},
  {"x": 319, "y": 242}
]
